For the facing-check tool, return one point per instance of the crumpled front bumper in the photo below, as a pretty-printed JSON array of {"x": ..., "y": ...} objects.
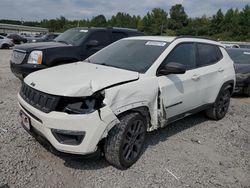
[{"x": 95, "y": 125}]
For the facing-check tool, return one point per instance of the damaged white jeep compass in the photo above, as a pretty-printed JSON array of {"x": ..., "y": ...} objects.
[{"x": 135, "y": 85}]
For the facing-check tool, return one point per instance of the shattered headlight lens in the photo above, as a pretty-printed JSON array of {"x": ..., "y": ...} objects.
[{"x": 84, "y": 105}]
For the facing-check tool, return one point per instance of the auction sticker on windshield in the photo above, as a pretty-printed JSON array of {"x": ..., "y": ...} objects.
[{"x": 156, "y": 43}]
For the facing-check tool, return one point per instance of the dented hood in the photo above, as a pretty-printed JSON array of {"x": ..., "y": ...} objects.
[{"x": 78, "y": 79}]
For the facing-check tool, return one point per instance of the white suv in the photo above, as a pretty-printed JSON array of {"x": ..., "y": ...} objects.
[{"x": 135, "y": 85}]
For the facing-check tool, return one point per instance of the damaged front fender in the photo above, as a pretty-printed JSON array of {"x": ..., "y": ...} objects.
[{"x": 140, "y": 93}]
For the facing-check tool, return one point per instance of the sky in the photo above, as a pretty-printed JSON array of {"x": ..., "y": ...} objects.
[{"x": 35, "y": 10}]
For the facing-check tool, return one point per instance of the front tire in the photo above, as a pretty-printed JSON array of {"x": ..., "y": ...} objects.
[
  {"x": 221, "y": 105},
  {"x": 125, "y": 141}
]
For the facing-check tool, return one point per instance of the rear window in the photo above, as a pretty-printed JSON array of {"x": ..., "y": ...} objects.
[{"x": 208, "y": 54}]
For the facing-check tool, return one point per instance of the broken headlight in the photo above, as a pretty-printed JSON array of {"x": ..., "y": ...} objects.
[{"x": 83, "y": 105}]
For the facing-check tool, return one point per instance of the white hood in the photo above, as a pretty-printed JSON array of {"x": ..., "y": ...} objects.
[{"x": 78, "y": 79}]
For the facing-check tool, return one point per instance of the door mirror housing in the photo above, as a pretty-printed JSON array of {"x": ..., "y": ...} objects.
[
  {"x": 92, "y": 43},
  {"x": 172, "y": 68}
]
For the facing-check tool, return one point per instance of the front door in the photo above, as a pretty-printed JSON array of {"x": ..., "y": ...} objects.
[{"x": 180, "y": 93}]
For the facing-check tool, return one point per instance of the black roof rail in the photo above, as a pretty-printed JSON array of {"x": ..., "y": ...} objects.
[{"x": 123, "y": 28}]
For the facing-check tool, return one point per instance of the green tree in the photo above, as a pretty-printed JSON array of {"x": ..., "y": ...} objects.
[
  {"x": 178, "y": 17},
  {"x": 244, "y": 22},
  {"x": 196, "y": 27},
  {"x": 155, "y": 22},
  {"x": 217, "y": 22},
  {"x": 99, "y": 21}
]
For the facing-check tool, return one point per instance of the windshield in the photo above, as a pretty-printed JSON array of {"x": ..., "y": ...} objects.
[
  {"x": 134, "y": 55},
  {"x": 240, "y": 56},
  {"x": 72, "y": 36}
]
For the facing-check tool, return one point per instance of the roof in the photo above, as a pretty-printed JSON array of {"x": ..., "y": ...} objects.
[
  {"x": 105, "y": 28},
  {"x": 156, "y": 38},
  {"x": 171, "y": 39}
]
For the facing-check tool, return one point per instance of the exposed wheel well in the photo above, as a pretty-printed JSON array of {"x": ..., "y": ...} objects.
[
  {"x": 143, "y": 110},
  {"x": 229, "y": 85}
]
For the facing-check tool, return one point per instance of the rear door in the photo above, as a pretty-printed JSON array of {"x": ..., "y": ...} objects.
[
  {"x": 210, "y": 66},
  {"x": 181, "y": 92}
]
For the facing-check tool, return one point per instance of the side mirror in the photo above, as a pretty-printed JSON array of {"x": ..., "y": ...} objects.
[
  {"x": 172, "y": 68},
  {"x": 92, "y": 43}
]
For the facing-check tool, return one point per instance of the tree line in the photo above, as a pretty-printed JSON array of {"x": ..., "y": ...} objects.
[{"x": 234, "y": 24}]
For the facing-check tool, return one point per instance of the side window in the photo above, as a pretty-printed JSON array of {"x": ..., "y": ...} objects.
[
  {"x": 101, "y": 36},
  {"x": 183, "y": 54},
  {"x": 50, "y": 37},
  {"x": 117, "y": 36},
  {"x": 208, "y": 54},
  {"x": 1, "y": 37}
]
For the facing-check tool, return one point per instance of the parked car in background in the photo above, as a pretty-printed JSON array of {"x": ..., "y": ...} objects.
[
  {"x": 17, "y": 39},
  {"x": 5, "y": 43},
  {"x": 241, "y": 58},
  {"x": 73, "y": 45},
  {"x": 46, "y": 38},
  {"x": 234, "y": 44},
  {"x": 134, "y": 85}
]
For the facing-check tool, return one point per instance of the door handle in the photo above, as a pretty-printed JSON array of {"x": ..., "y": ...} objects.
[
  {"x": 220, "y": 70},
  {"x": 196, "y": 77}
]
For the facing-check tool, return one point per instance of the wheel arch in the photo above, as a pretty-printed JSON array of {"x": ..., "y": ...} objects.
[
  {"x": 143, "y": 110},
  {"x": 230, "y": 84}
]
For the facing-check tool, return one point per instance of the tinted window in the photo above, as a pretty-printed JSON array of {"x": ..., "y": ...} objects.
[
  {"x": 72, "y": 36},
  {"x": 183, "y": 54},
  {"x": 101, "y": 36},
  {"x": 135, "y": 55},
  {"x": 208, "y": 54},
  {"x": 1, "y": 37},
  {"x": 118, "y": 35}
]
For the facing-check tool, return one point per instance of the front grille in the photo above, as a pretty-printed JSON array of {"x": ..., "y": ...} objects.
[
  {"x": 42, "y": 101},
  {"x": 17, "y": 57}
]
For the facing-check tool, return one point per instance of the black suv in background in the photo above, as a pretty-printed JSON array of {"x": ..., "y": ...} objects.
[
  {"x": 241, "y": 58},
  {"x": 17, "y": 39},
  {"x": 73, "y": 45},
  {"x": 45, "y": 38}
]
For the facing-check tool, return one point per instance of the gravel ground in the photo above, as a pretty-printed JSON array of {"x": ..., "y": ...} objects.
[{"x": 193, "y": 152}]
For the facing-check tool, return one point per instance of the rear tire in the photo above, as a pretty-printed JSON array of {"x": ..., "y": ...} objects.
[
  {"x": 125, "y": 141},
  {"x": 221, "y": 105}
]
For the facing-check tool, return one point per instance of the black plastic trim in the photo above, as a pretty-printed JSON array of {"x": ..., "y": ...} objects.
[
  {"x": 190, "y": 112},
  {"x": 174, "y": 104},
  {"x": 32, "y": 115}
]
